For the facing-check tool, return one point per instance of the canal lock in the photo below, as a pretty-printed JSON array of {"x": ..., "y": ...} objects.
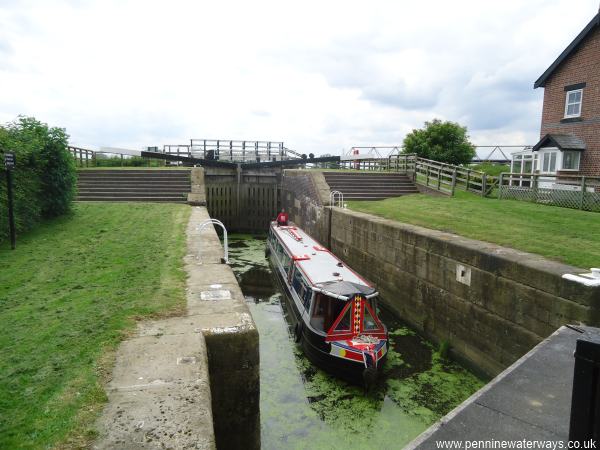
[{"x": 302, "y": 406}]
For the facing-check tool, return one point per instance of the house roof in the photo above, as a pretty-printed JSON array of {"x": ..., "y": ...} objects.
[
  {"x": 541, "y": 81},
  {"x": 562, "y": 141}
]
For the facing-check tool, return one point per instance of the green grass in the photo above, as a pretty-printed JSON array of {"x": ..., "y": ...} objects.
[
  {"x": 566, "y": 235},
  {"x": 69, "y": 293}
]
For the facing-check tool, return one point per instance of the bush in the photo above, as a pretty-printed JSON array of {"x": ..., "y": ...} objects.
[
  {"x": 44, "y": 178},
  {"x": 446, "y": 142}
]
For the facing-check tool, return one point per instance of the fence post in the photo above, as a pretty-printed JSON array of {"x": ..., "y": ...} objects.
[
  {"x": 121, "y": 159},
  {"x": 468, "y": 178},
  {"x": 439, "y": 181},
  {"x": 453, "y": 183},
  {"x": 483, "y": 184},
  {"x": 427, "y": 175},
  {"x": 500, "y": 183},
  {"x": 535, "y": 183},
  {"x": 582, "y": 200}
]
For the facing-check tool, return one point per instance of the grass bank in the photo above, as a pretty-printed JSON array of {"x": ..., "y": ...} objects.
[
  {"x": 566, "y": 235},
  {"x": 69, "y": 293}
]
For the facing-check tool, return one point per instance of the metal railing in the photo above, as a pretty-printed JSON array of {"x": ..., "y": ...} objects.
[
  {"x": 214, "y": 222},
  {"x": 232, "y": 151},
  {"x": 337, "y": 197},
  {"x": 567, "y": 191}
]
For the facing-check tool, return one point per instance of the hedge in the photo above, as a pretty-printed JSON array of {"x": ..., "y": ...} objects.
[{"x": 44, "y": 178}]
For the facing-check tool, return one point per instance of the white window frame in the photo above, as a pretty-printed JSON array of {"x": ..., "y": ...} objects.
[
  {"x": 562, "y": 163},
  {"x": 567, "y": 103},
  {"x": 521, "y": 157},
  {"x": 558, "y": 160}
]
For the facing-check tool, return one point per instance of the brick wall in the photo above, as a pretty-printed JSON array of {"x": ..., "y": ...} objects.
[{"x": 582, "y": 66}]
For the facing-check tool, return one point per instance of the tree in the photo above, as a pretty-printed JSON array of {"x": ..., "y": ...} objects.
[{"x": 446, "y": 142}]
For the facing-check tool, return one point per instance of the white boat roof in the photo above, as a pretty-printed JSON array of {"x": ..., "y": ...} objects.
[{"x": 314, "y": 260}]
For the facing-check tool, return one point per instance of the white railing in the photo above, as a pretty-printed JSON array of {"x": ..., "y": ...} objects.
[
  {"x": 225, "y": 244},
  {"x": 333, "y": 195}
]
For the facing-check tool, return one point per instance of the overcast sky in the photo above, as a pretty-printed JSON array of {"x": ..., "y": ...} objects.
[{"x": 321, "y": 76}]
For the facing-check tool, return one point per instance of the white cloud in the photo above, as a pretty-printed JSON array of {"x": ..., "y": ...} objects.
[{"x": 320, "y": 76}]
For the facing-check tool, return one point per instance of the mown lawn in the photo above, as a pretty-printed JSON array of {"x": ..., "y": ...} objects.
[
  {"x": 566, "y": 235},
  {"x": 69, "y": 293}
]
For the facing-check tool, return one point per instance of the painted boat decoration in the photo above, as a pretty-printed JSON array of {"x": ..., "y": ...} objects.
[{"x": 333, "y": 309}]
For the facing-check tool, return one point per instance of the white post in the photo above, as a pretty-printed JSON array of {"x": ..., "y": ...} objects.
[{"x": 218, "y": 222}]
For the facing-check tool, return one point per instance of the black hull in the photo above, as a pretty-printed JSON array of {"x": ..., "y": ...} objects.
[{"x": 313, "y": 344}]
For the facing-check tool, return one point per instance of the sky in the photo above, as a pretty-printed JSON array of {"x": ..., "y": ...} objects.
[{"x": 321, "y": 76}]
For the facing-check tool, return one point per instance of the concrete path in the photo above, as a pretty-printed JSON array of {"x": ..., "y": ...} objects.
[
  {"x": 160, "y": 394},
  {"x": 529, "y": 400}
]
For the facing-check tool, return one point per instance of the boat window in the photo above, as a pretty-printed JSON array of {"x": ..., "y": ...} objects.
[
  {"x": 317, "y": 318},
  {"x": 337, "y": 306},
  {"x": 279, "y": 250},
  {"x": 297, "y": 282},
  {"x": 368, "y": 321},
  {"x": 344, "y": 324},
  {"x": 306, "y": 297},
  {"x": 286, "y": 262},
  {"x": 325, "y": 312}
]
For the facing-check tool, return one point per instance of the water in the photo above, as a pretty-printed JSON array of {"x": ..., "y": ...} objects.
[{"x": 304, "y": 407}]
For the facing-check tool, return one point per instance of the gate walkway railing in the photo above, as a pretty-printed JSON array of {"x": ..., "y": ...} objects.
[{"x": 233, "y": 151}]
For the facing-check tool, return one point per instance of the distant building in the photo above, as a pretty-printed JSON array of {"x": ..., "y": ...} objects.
[{"x": 570, "y": 132}]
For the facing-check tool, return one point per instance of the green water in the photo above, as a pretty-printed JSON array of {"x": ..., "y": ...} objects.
[{"x": 303, "y": 407}]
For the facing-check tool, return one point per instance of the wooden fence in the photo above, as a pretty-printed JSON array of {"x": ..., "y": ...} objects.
[
  {"x": 435, "y": 175},
  {"x": 83, "y": 157}
]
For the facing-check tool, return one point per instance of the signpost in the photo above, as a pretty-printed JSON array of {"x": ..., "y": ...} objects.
[{"x": 9, "y": 165}]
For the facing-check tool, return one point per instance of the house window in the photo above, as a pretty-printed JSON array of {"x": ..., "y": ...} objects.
[
  {"x": 573, "y": 103},
  {"x": 571, "y": 160},
  {"x": 516, "y": 164},
  {"x": 549, "y": 162}
]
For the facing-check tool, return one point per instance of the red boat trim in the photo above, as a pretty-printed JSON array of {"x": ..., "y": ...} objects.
[{"x": 358, "y": 305}]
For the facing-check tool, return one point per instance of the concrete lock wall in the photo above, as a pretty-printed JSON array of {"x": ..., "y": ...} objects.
[
  {"x": 217, "y": 308},
  {"x": 491, "y": 304},
  {"x": 304, "y": 196}
]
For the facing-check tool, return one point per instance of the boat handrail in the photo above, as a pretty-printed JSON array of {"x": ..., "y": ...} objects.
[{"x": 339, "y": 296}]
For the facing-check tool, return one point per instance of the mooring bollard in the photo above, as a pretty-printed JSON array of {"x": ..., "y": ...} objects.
[{"x": 585, "y": 400}]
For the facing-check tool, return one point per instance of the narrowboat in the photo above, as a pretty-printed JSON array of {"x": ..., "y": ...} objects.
[{"x": 332, "y": 309}]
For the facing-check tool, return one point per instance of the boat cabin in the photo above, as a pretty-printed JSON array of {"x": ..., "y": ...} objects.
[{"x": 337, "y": 302}]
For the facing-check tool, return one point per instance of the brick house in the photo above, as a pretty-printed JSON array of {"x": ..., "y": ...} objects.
[{"x": 570, "y": 131}]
